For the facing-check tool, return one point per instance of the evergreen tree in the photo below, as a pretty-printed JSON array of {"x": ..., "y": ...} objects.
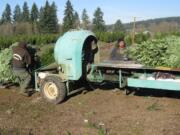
[
  {"x": 44, "y": 18},
  {"x": 25, "y": 14},
  {"x": 34, "y": 13},
  {"x": 76, "y": 20},
  {"x": 118, "y": 26},
  {"x": 85, "y": 19},
  {"x": 53, "y": 23},
  {"x": 48, "y": 21},
  {"x": 6, "y": 16},
  {"x": 41, "y": 20},
  {"x": 17, "y": 14},
  {"x": 68, "y": 17},
  {"x": 98, "y": 22}
]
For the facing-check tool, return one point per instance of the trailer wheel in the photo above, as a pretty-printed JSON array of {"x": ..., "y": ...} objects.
[{"x": 53, "y": 90}]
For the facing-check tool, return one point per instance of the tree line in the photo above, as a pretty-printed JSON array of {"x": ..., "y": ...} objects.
[{"x": 43, "y": 20}]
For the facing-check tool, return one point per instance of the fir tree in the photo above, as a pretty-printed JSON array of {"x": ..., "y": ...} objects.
[
  {"x": 76, "y": 20},
  {"x": 6, "y": 16},
  {"x": 44, "y": 19},
  {"x": 98, "y": 22},
  {"x": 17, "y": 17},
  {"x": 34, "y": 13},
  {"x": 118, "y": 26},
  {"x": 68, "y": 21},
  {"x": 25, "y": 13},
  {"x": 48, "y": 21},
  {"x": 53, "y": 23},
  {"x": 85, "y": 19},
  {"x": 41, "y": 20}
]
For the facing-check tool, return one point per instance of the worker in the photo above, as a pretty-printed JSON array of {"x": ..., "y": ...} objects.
[
  {"x": 21, "y": 62},
  {"x": 118, "y": 52}
]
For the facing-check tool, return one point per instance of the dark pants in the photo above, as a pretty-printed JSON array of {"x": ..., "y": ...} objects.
[{"x": 24, "y": 79}]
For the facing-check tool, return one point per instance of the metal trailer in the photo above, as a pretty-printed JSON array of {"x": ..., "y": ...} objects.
[
  {"x": 135, "y": 75},
  {"x": 76, "y": 53}
]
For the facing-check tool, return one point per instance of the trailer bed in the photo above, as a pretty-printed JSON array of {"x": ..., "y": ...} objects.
[
  {"x": 144, "y": 77},
  {"x": 120, "y": 64},
  {"x": 132, "y": 65}
]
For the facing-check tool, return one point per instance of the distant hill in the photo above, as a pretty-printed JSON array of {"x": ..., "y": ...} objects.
[
  {"x": 154, "y": 25},
  {"x": 147, "y": 23}
]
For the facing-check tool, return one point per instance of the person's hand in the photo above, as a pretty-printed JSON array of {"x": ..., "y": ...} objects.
[{"x": 125, "y": 59}]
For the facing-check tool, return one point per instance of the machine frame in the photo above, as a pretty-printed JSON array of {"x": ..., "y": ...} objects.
[{"x": 74, "y": 69}]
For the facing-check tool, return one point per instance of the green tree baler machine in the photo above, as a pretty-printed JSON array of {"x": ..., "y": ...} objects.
[{"x": 75, "y": 55}]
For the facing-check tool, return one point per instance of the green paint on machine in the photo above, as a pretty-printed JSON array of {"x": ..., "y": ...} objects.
[
  {"x": 154, "y": 84},
  {"x": 68, "y": 52}
]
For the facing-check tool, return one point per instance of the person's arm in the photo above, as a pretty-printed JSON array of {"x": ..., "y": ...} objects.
[
  {"x": 113, "y": 53},
  {"x": 126, "y": 55},
  {"x": 27, "y": 58}
]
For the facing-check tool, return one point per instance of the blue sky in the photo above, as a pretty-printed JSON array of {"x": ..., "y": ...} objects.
[{"x": 113, "y": 9}]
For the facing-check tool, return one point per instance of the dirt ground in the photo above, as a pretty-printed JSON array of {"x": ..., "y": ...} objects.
[
  {"x": 104, "y": 111},
  {"x": 99, "y": 112}
]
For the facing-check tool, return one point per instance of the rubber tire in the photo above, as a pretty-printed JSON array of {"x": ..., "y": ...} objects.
[{"x": 61, "y": 89}]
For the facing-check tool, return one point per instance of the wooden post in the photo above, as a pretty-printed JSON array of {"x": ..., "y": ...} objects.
[{"x": 133, "y": 31}]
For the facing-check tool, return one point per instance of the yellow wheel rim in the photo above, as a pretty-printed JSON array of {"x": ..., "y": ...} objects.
[{"x": 51, "y": 90}]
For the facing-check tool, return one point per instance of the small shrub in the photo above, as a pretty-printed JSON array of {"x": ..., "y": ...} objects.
[
  {"x": 109, "y": 36},
  {"x": 7, "y": 41},
  {"x": 158, "y": 52},
  {"x": 47, "y": 56},
  {"x": 154, "y": 107}
]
